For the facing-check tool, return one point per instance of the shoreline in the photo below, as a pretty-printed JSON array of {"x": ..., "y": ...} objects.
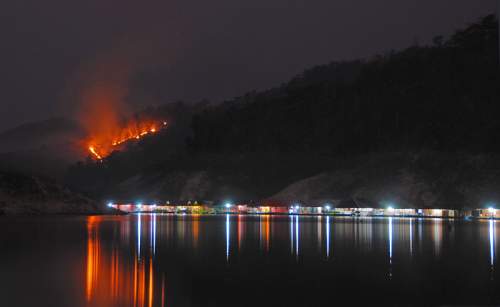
[{"x": 316, "y": 215}]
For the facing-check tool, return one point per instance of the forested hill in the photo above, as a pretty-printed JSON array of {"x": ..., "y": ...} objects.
[
  {"x": 441, "y": 97},
  {"x": 418, "y": 126}
]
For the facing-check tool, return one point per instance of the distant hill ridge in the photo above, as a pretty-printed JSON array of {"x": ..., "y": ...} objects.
[
  {"x": 310, "y": 137},
  {"x": 21, "y": 194}
]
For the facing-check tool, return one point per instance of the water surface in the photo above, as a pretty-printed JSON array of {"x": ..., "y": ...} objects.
[{"x": 236, "y": 260}]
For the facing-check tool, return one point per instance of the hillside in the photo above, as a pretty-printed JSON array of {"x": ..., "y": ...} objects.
[
  {"x": 440, "y": 97},
  {"x": 43, "y": 148},
  {"x": 311, "y": 137},
  {"x": 21, "y": 194}
]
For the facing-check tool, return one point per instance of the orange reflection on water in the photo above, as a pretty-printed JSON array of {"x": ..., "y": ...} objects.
[
  {"x": 113, "y": 278},
  {"x": 195, "y": 229},
  {"x": 240, "y": 230},
  {"x": 92, "y": 256},
  {"x": 265, "y": 231}
]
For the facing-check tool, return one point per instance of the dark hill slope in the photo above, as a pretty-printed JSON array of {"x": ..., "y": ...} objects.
[
  {"x": 442, "y": 97},
  {"x": 437, "y": 103},
  {"x": 44, "y": 148},
  {"x": 21, "y": 194}
]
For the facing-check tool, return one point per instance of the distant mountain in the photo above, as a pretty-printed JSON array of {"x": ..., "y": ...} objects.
[
  {"x": 45, "y": 147},
  {"x": 423, "y": 180},
  {"x": 39, "y": 134},
  {"x": 311, "y": 137},
  {"x": 21, "y": 194},
  {"x": 440, "y": 97}
]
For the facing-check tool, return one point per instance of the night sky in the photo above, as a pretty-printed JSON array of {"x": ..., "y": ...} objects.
[{"x": 169, "y": 50}]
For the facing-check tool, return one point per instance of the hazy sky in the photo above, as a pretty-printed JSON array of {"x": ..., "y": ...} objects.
[{"x": 186, "y": 49}]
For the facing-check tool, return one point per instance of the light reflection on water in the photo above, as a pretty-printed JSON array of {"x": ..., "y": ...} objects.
[
  {"x": 114, "y": 278},
  {"x": 390, "y": 240},
  {"x": 297, "y": 237},
  {"x": 327, "y": 237},
  {"x": 164, "y": 260},
  {"x": 228, "y": 235},
  {"x": 492, "y": 242}
]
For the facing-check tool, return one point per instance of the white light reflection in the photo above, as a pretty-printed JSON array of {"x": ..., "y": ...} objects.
[
  {"x": 437, "y": 235},
  {"x": 411, "y": 236},
  {"x": 297, "y": 236},
  {"x": 154, "y": 234},
  {"x": 390, "y": 240},
  {"x": 319, "y": 231},
  {"x": 327, "y": 237},
  {"x": 227, "y": 237},
  {"x": 139, "y": 235},
  {"x": 291, "y": 234},
  {"x": 492, "y": 244},
  {"x": 390, "y": 247},
  {"x": 151, "y": 231}
]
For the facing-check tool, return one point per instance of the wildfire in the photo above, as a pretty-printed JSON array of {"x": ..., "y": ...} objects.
[
  {"x": 100, "y": 147},
  {"x": 94, "y": 152}
]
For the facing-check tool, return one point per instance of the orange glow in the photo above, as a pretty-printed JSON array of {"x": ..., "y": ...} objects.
[
  {"x": 150, "y": 294},
  {"x": 114, "y": 279},
  {"x": 94, "y": 152},
  {"x": 195, "y": 230},
  {"x": 93, "y": 255},
  {"x": 267, "y": 230},
  {"x": 101, "y": 145},
  {"x": 240, "y": 230}
]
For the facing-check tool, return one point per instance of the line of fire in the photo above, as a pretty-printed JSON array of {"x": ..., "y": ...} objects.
[{"x": 102, "y": 145}]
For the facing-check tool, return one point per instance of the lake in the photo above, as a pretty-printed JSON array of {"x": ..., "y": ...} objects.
[{"x": 239, "y": 260}]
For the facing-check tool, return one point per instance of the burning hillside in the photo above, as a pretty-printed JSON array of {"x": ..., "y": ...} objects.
[{"x": 101, "y": 145}]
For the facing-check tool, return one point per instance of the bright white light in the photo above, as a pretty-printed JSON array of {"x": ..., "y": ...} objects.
[
  {"x": 327, "y": 207},
  {"x": 491, "y": 210},
  {"x": 110, "y": 205},
  {"x": 297, "y": 207},
  {"x": 390, "y": 209},
  {"x": 228, "y": 205}
]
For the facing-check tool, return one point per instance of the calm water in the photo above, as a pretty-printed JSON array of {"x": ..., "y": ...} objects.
[{"x": 164, "y": 260}]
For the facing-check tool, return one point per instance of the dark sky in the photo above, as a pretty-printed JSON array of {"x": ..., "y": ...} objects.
[{"x": 186, "y": 49}]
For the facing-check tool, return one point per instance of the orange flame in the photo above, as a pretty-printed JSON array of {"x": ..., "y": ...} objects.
[{"x": 101, "y": 146}]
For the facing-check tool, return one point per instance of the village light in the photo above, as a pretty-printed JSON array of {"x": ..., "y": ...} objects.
[
  {"x": 228, "y": 205},
  {"x": 492, "y": 210},
  {"x": 110, "y": 205},
  {"x": 327, "y": 207},
  {"x": 390, "y": 209}
]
